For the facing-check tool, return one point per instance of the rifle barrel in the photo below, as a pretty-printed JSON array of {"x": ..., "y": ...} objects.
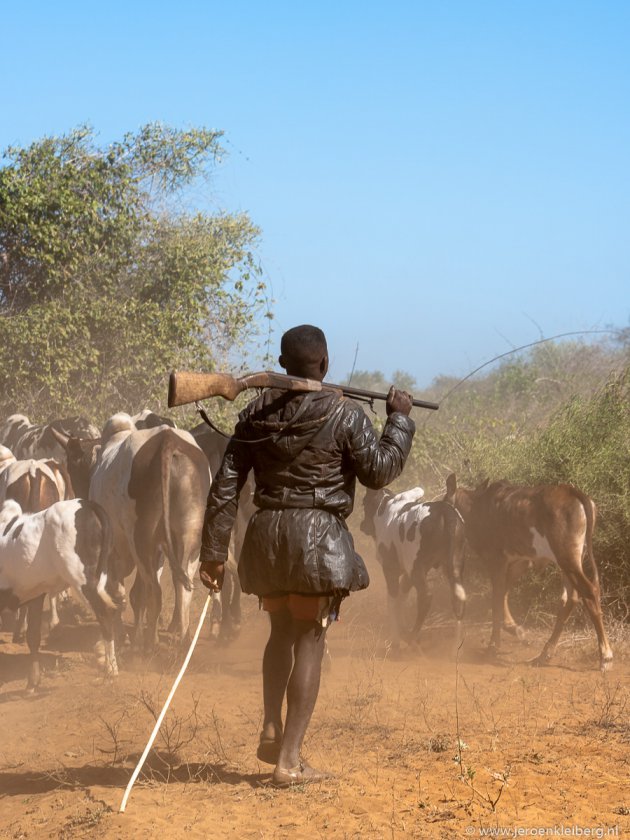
[{"x": 375, "y": 395}]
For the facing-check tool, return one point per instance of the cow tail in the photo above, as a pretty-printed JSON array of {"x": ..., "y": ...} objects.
[
  {"x": 179, "y": 575},
  {"x": 113, "y": 588},
  {"x": 69, "y": 494},
  {"x": 590, "y": 512},
  {"x": 35, "y": 488},
  {"x": 454, "y": 557},
  {"x": 36, "y": 484}
]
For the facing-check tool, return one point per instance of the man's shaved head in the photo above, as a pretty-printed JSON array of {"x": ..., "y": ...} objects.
[{"x": 304, "y": 351}]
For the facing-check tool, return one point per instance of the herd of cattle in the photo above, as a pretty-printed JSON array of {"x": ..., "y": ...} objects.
[{"x": 85, "y": 509}]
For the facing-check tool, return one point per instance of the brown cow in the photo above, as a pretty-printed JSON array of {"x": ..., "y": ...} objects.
[
  {"x": 518, "y": 527},
  {"x": 153, "y": 483}
]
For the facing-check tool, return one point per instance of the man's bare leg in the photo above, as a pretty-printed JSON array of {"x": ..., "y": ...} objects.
[
  {"x": 302, "y": 691},
  {"x": 277, "y": 664}
]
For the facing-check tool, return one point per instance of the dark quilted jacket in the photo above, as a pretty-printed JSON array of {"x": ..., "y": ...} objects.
[{"x": 312, "y": 449}]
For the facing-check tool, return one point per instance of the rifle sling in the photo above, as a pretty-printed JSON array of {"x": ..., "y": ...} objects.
[{"x": 308, "y": 399}]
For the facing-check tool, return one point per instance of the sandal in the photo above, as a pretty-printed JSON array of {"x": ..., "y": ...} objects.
[{"x": 302, "y": 774}]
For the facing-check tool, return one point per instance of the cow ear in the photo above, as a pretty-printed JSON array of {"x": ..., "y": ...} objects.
[
  {"x": 483, "y": 486},
  {"x": 451, "y": 485}
]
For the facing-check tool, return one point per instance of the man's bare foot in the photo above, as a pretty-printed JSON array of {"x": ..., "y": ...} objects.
[{"x": 300, "y": 775}]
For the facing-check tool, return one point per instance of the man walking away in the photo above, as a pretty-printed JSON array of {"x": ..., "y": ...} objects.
[{"x": 307, "y": 450}]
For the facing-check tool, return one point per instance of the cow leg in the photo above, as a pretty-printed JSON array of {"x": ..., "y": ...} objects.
[
  {"x": 458, "y": 601},
  {"x": 231, "y": 597},
  {"x": 235, "y": 603},
  {"x": 458, "y": 596},
  {"x": 183, "y": 587},
  {"x": 176, "y": 618},
  {"x": 216, "y": 614},
  {"x": 569, "y": 600},
  {"x": 498, "y": 601},
  {"x": 33, "y": 639},
  {"x": 225, "y": 631},
  {"x": 8, "y": 619},
  {"x": 153, "y": 592},
  {"x": 391, "y": 570},
  {"x": 120, "y": 634},
  {"x": 514, "y": 571},
  {"x": 54, "y": 614},
  {"x": 106, "y": 620},
  {"x": 19, "y": 630},
  {"x": 424, "y": 594},
  {"x": 590, "y": 594},
  {"x": 137, "y": 601}
]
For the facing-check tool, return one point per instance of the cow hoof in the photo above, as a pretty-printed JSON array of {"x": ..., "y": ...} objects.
[
  {"x": 539, "y": 661},
  {"x": 606, "y": 665},
  {"x": 515, "y": 630}
]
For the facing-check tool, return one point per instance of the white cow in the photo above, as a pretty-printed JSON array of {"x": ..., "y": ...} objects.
[
  {"x": 34, "y": 485},
  {"x": 411, "y": 538},
  {"x": 66, "y": 545}
]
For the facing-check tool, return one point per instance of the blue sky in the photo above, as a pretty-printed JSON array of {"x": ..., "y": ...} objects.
[{"x": 434, "y": 181}]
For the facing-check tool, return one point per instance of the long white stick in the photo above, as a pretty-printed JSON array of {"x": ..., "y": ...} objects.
[{"x": 158, "y": 722}]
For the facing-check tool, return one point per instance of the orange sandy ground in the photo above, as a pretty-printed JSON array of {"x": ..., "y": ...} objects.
[{"x": 540, "y": 748}]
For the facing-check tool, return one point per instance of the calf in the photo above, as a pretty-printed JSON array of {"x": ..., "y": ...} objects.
[
  {"x": 66, "y": 545},
  {"x": 411, "y": 538},
  {"x": 514, "y": 528}
]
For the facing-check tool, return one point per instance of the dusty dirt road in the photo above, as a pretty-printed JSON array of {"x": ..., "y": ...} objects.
[{"x": 538, "y": 748}]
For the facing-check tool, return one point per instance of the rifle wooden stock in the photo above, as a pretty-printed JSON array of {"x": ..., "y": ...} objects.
[{"x": 187, "y": 387}]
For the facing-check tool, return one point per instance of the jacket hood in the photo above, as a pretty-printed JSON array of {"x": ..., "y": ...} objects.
[{"x": 288, "y": 420}]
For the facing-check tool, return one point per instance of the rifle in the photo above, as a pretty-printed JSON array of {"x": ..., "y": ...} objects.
[{"x": 185, "y": 387}]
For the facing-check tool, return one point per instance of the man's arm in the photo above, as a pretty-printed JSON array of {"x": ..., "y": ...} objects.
[
  {"x": 378, "y": 462},
  {"x": 221, "y": 512}
]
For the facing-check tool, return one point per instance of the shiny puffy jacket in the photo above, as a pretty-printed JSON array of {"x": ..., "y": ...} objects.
[{"x": 306, "y": 450}]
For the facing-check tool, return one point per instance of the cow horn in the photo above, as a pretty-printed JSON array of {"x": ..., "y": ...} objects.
[{"x": 61, "y": 438}]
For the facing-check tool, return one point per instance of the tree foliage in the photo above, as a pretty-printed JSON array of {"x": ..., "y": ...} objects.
[{"x": 104, "y": 283}]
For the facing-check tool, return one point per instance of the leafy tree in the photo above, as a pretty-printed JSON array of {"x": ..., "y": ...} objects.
[{"x": 105, "y": 283}]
